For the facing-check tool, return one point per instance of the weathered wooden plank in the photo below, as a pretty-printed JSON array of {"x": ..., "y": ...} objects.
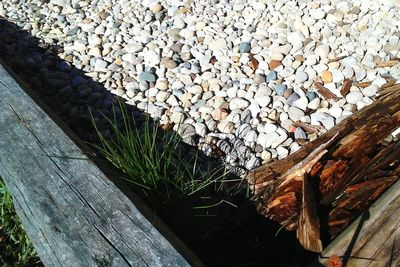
[
  {"x": 73, "y": 214},
  {"x": 374, "y": 238}
]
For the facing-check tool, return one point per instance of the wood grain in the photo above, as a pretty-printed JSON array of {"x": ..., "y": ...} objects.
[
  {"x": 374, "y": 238},
  {"x": 72, "y": 213}
]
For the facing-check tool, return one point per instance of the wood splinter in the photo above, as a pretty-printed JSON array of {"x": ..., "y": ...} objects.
[{"x": 324, "y": 91}]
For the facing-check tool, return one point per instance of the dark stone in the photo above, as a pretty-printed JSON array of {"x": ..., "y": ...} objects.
[{"x": 77, "y": 81}]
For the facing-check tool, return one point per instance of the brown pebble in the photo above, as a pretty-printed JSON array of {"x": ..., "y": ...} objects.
[
  {"x": 299, "y": 58},
  {"x": 118, "y": 61},
  {"x": 326, "y": 76},
  {"x": 287, "y": 92},
  {"x": 169, "y": 63},
  {"x": 219, "y": 114},
  {"x": 355, "y": 10},
  {"x": 176, "y": 47},
  {"x": 274, "y": 64}
]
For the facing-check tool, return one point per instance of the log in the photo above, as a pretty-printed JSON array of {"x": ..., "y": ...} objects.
[
  {"x": 357, "y": 167},
  {"x": 73, "y": 214}
]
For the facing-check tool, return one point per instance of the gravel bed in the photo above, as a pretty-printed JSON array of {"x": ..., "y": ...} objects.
[{"x": 232, "y": 76}]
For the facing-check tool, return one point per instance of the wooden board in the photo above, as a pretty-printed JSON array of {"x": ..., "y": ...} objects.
[
  {"x": 72, "y": 213},
  {"x": 374, "y": 238}
]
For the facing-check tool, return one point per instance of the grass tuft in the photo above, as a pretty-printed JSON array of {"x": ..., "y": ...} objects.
[
  {"x": 15, "y": 247},
  {"x": 151, "y": 157}
]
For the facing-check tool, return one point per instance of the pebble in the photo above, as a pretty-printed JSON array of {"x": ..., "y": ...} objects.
[
  {"x": 238, "y": 103},
  {"x": 272, "y": 76},
  {"x": 322, "y": 51},
  {"x": 337, "y": 76},
  {"x": 301, "y": 77},
  {"x": 314, "y": 104},
  {"x": 259, "y": 78},
  {"x": 301, "y": 103},
  {"x": 244, "y": 47},
  {"x": 370, "y": 90},
  {"x": 292, "y": 98},
  {"x": 311, "y": 96},
  {"x": 266, "y": 140},
  {"x": 218, "y": 44},
  {"x": 147, "y": 76},
  {"x": 162, "y": 84},
  {"x": 295, "y": 113},
  {"x": 395, "y": 71},
  {"x": 186, "y": 130},
  {"x": 354, "y": 97},
  {"x": 169, "y": 63},
  {"x": 273, "y": 64},
  {"x": 280, "y": 89},
  {"x": 326, "y": 76},
  {"x": 299, "y": 133},
  {"x": 219, "y": 114},
  {"x": 226, "y": 127},
  {"x": 325, "y": 119}
]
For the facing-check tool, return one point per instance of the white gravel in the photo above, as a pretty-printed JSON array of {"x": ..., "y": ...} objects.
[{"x": 239, "y": 71}]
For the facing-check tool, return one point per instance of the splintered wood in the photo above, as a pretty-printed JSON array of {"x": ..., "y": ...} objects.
[
  {"x": 327, "y": 183},
  {"x": 324, "y": 91}
]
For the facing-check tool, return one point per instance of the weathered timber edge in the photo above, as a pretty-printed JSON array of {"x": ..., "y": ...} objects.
[
  {"x": 374, "y": 238},
  {"x": 72, "y": 213}
]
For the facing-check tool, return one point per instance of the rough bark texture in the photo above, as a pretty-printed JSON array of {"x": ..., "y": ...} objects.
[
  {"x": 72, "y": 213},
  {"x": 356, "y": 169}
]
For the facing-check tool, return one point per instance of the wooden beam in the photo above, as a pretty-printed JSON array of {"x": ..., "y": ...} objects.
[
  {"x": 374, "y": 238},
  {"x": 72, "y": 213}
]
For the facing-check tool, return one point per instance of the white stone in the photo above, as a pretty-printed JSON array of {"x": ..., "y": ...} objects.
[
  {"x": 325, "y": 119},
  {"x": 301, "y": 103},
  {"x": 301, "y": 77},
  {"x": 337, "y": 76},
  {"x": 395, "y": 71},
  {"x": 379, "y": 81},
  {"x": 370, "y": 90},
  {"x": 162, "y": 96},
  {"x": 354, "y": 97},
  {"x": 151, "y": 58},
  {"x": 314, "y": 104},
  {"x": 322, "y": 51},
  {"x": 200, "y": 128},
  {"x": 266, "y": 140},
  {"x": 270, "y": 128},
  {"x": 348, "y": 72},
  {"x": 263, "y": 101},
  {"x": 217, "y": 44},
  {"x": 238, "y": 102},
  {"x": 195, "y": 89},
  {"x": 282, "y": 152},
  {"x": 295, "y": 113},
  {"x": 317, "y": 13},
  {"x": 225, "y": 126},
  {"x": 282, "y": 137},
  {"x": 336, "y": 112}
]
